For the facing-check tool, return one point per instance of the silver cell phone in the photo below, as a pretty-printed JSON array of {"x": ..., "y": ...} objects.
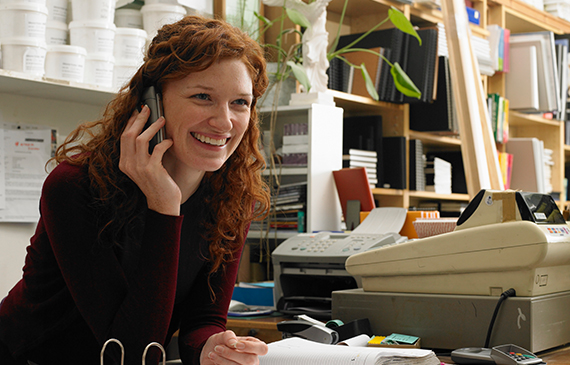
[{"x": 154, "y": 101}]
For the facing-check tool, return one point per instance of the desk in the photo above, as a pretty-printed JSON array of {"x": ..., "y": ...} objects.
[{"x": 265, "y": 328}]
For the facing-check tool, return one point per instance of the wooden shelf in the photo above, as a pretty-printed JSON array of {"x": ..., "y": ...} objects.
[
  {"x": 521, "y": 17},
  {"x": 518, "y": 119},
  {"x": 431, "y": 139}
]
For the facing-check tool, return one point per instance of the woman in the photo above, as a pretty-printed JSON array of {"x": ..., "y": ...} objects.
[{"x": 135, "y": 246}]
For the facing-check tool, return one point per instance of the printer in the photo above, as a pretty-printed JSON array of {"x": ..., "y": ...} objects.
[
  {"x": 309, "y": 266},
  {"x": 446, "y": 288}
]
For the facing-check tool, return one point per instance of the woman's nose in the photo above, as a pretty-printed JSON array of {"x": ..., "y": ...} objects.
[{"x": 222, "y": 119}]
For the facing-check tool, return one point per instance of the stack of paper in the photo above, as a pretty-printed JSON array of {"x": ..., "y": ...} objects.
[
  {"x": 304, "y": 352},
  {"x": 295, "y": 144},
  {"x": 438, "y": 176},
  {"x": 363, "y": 158}
]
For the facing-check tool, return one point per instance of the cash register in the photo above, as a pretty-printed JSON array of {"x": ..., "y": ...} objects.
[{"x": 444, "y": 288}]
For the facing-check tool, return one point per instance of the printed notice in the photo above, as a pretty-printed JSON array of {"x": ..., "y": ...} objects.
[{"x": 25, "y": 151}]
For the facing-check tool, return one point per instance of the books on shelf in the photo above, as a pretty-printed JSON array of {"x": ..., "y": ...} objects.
[
  {"x": 364, "y": 133},
  {"x": 363, "y": 158},
  {"x": 295, "y": 350},
  {"x": 288, "y": 208},
  {"x": 417, "y": 165},
  {"x": 498, "y": 110},
  {"x": 506, "y": 165},
  {"x": 295, "y": 146},
  {"x": 528, "y": 164},
  {"x": 438, "y": 176}
]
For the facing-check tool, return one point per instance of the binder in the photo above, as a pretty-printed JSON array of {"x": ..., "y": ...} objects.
[
  {"x": 373, "y": 65},
  {"x": 393, "y": 39},
  {"x": 364, "y": 133},
  {"x": 422, "y": 65},
  {"x": 394, "y": 153},
  {"x": 417, "y": 165},
  {"x": 521, "y": 84},
  {"x": 440, "y": 115},
  {"x": 352, "y": 184},
  {"x": 528, "y": 164}
]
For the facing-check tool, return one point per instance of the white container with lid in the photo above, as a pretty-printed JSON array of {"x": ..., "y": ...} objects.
[
  {"x": 128, "y": 18},
  {"x": 96, "y": 36},
  {"x": 24, "y": 55},
  {"x": 37, "y": 2},
  {"x": 130, "y": 44},
  {"x": 99, "y": 69},
  {"x": 157, "y": 15},
  {"x": 123, "y": 73},
  {"x": 65, "y": 62},
  {"x": 57, "y": 10},
  {"x": 23, "y": 20},
  {"x": 56, "y": 32},
  {"x": 93, "y": 10}
]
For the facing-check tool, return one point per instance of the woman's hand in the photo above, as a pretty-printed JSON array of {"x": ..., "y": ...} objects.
[
  {"x": 226, "y": 348},
  {"x": 147, "y": 171}
]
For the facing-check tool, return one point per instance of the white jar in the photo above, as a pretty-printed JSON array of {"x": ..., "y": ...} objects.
[
  {"x": 24, "y": 54},
  {"x": 93, "y": 10},
  {"x": 157, "y": 15},
  {"x": 65, "y": 62},
  {"x": 56, "y": 32},
  {"x": 23, "y": 20},
  {"x": 124, "y": 71},
  {"x": 37, "y": 2},
  {"x": 128, "y": 18},
  {"x": 96, "y": 36},
  {"x": 57, "y": 10},
  {"x": 99, "y": 69},
  {"x": 130, "y": 44}
]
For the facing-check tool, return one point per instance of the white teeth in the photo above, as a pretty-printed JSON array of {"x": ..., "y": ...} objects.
[{"x": 208, "y": 140}]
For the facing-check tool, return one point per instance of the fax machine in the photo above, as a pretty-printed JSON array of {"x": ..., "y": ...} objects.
[{"x": 309, "y": 266}]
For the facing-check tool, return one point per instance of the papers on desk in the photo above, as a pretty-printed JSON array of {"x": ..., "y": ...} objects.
[{"x": 304, "y": 352}]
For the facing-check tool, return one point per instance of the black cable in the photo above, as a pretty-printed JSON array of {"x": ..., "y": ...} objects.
[{"x": 508, "y": 293}]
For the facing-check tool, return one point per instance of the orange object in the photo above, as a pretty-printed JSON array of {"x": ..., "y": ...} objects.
[{"x": 408, "y": 229}]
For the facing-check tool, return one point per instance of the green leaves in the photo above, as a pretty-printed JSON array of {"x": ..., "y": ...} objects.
[
  {"x": 369, "y": 83},
  {"x": 298, "y": 18},
  {"x": 403, "y": 82},
  {"x": 402, "y": 23},
  {"x": 300, "y": 74}
]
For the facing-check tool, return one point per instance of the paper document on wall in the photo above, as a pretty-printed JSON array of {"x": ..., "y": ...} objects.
[
  {"x": 300, "y": 352},
  {"x": 25, "y": 151}
]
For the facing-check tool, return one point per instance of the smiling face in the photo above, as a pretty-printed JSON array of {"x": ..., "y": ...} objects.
[{"x": 207, "y": 114}]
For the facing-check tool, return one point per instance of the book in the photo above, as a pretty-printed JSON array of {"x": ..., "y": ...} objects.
[
  {"x": 300, "y": 351},
  {"x": 458, "y": 181},
  {"x": 528, "y": 164},
  {"x": 393, "y": 39},
  {"x": 440, "y": 115},
  {"x": 394, "y": 154},
  {"x": 422, "y": 65},
  {"x": 353, "y": 184},
  {"x": 364, "y": 133},
  {"x": 373, "y": 64},
  {"x": 521, "y": 82},
  {"x": 417, "y": 165}
]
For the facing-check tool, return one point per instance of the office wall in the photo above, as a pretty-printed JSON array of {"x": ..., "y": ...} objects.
[{"x": 62, "y": 115}]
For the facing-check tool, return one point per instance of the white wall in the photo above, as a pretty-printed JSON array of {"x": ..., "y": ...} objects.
[{"x": 51, "y": 110}]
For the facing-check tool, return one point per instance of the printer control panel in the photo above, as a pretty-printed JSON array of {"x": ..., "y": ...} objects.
[{"x": 334, "y": 244}]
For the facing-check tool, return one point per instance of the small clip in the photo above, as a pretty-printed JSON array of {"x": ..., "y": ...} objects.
[
  {"x": 120, "y": 345},
  {"x": 149, "y": 346}
]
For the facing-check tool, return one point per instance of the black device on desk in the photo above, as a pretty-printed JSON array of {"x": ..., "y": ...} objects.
[{"x": 501, "y": 355}]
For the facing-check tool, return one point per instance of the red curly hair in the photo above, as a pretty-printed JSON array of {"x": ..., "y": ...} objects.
[{"x": 234, "y": 195}]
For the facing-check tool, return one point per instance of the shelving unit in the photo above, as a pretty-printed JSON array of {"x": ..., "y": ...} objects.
[{"x": 512, "y": 14}]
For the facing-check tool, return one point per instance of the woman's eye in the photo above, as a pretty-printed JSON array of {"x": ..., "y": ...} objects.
[
  {"x": 242, "y": 102},
  {"x": 202, "y": 96}
]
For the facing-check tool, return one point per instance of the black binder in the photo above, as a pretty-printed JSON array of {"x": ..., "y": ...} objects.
[
  {"x": 422, "y": 66},
  {"x": 393, "y": 39},
  {"x": 394, "y": 161},
  {"x": 440, "y": 115},
  {"x": 364, "y": 133}
]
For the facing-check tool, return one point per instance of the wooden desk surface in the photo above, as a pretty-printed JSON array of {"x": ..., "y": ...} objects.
[{"x": 265, "y": 328}]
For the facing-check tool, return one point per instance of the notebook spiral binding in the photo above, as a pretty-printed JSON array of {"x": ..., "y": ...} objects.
[{"x": 123, "y": 351}]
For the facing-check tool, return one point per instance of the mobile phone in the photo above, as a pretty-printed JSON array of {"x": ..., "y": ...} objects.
[{"x": 154, "y": 101}]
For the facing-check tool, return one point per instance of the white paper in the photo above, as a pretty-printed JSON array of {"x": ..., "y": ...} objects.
[
  {"x": 382, "y": 220},
  {"x": 26, "y": 149}
]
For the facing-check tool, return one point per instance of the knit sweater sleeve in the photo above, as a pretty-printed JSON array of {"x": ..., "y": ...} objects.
[
  {"x": 136, "y": 309},
  {"x": 206, "y": 315}
]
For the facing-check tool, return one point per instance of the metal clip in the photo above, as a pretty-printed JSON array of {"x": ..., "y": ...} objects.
[
  {"x": 157, "y": 345},
  {"x": 122, "y": 350}
]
